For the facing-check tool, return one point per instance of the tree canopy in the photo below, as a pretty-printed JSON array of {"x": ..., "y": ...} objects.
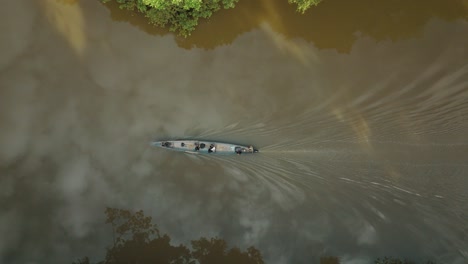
[
  {"x": 182, "y": 16},
  {"x": 303, "y": 5}
]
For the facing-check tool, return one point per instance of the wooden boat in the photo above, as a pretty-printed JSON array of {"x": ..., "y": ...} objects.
[{"x": 205, "y": 147}]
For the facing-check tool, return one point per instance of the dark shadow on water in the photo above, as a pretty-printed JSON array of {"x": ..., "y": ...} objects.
[{"x": 333, "y": 24}]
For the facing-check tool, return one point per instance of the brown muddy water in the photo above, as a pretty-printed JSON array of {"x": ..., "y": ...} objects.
[{"x": 359, "y": 109}]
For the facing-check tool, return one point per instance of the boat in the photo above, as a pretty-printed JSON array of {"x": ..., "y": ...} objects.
[{"x": 204, "y": 147}]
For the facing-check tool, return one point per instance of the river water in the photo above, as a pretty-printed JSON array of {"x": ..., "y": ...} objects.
[{"x": 359, "y": 109}]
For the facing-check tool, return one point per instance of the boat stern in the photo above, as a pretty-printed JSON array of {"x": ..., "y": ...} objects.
[
  {"x": 156, "y": 143},
  {"x": 162, "y": 144}
]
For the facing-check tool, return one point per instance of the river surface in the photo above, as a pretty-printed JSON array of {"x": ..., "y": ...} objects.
[{"x": 359, "y": 109}]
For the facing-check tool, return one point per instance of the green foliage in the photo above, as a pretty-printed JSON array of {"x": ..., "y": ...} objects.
[
  {"x": 180, "y": 16},
  {"x": 303, "y": 5},
  {"x": 162, "y": 5}
]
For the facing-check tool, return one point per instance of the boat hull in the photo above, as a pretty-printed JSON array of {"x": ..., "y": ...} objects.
[{"x": 204, "y": 147}]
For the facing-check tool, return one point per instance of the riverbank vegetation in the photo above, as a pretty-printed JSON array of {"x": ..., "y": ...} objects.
[
  {"x": 303, "y": 5},
  {"x": 181, "y": 16}
]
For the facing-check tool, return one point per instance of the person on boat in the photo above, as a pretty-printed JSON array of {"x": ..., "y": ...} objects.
[
  {"x": 212, "y": 148},
  {"x": 197, "y": 146},
  {"x": 251, "y": 149},
  {"x": 238, "y": 151},
  {"x": 166, "y": 144}
]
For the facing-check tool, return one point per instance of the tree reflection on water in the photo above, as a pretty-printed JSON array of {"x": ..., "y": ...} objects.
[
  {"x": 333, "y": 24},
  {"x": 138, "y": 240}
]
